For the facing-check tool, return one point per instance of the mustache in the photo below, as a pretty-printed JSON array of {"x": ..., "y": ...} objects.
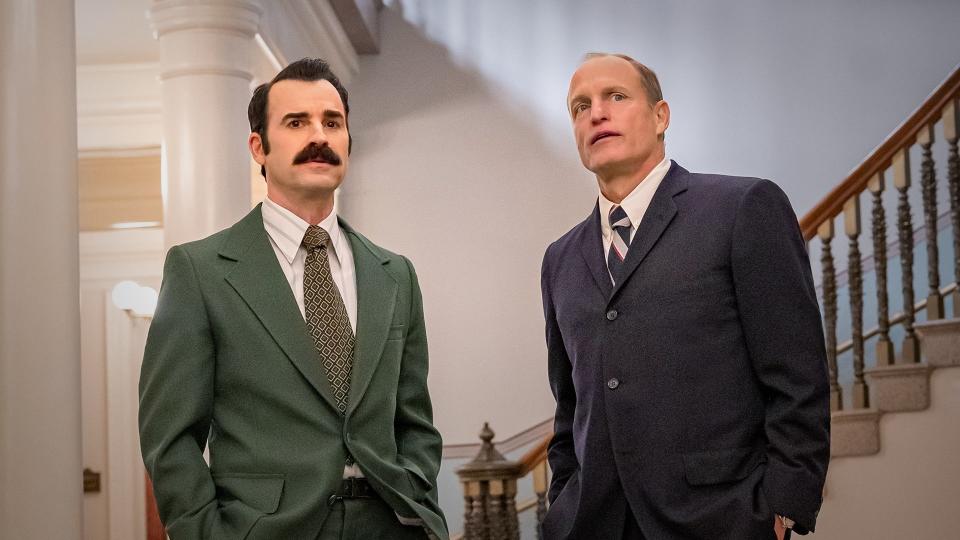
[{"x": 316, "y": 152}]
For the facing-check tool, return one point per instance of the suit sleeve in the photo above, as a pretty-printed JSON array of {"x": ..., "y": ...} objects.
[
  {"x": 176, "y": 403},
  {"x": 418, "y": 441},
  {"x": 560, "y": 453},
  {"x": 782, "y": 327}
]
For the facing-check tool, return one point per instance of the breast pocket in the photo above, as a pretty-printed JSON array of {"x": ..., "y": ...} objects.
[{"x": 397, "y": 331}]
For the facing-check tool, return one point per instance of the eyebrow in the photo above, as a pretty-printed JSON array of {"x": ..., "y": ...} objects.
[
  {"x": 294, "y": 116},
  {"x": 329, "y": 113}
]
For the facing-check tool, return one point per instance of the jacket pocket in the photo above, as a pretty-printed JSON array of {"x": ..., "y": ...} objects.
[
  {"x": 261, "y": 492},
  {"x": 243, "y": 499},
  {"x": 720, "y": 466},
  {"x": 417, "y": 479}
]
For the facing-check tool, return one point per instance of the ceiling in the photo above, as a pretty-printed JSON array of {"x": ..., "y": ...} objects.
[{"x": 114, "y": 31}]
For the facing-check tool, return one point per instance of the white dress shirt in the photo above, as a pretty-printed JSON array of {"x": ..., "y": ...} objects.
[
  {"x": 635, "y": 204},
  {"x": 286, "y": 231}
]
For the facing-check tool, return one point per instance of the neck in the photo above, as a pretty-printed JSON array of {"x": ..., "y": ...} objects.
[
  {"x": 616, "y": 184},
  {"x": 312, "y": 209}
]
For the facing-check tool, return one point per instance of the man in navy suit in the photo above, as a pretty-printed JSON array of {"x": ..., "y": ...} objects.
[{"x": 684, "y": 340}]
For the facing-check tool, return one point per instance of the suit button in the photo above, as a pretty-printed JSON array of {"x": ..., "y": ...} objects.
[
  {"x": 613, "y": 383},
  {"x": 612, "y": 315}
]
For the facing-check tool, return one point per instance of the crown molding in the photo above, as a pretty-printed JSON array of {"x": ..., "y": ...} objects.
[
  {"x": 293, "y": 29},
  {"x": 118, "y": 106}
]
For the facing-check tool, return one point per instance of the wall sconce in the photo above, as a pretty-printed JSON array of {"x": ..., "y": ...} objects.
[{"x": 136, "y": 299}]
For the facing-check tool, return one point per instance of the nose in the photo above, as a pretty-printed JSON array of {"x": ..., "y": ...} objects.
[
  {"x": 317, "y": 134},
  {"x": 599, "y": 112}
]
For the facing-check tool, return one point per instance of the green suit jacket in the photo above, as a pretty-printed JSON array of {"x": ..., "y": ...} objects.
[{"x": 229, "y": 363}]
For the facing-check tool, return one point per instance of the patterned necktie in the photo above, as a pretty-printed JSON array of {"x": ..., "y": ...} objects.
[
  {"x": 326, "y": 315},
  {"x": 620, "y": 239}
]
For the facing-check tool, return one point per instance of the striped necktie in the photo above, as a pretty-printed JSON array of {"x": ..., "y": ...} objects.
[{"x": 619, "y": 241}]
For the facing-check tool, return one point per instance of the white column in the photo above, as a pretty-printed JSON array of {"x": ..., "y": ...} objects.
[
  {"x": 41, "y": 492},
  {"x": 207, "y": 50}
]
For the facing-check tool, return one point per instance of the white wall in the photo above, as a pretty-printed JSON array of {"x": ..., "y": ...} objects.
[{"x": 464, "y": 159}]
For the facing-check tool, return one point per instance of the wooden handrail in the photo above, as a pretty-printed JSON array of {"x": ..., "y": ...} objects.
[
  {"x": 928, "y": 113},
  {"x": 535, "y": 455}
]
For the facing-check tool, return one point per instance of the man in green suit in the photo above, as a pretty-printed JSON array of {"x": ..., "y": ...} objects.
[{"x": 295, "y": 349}]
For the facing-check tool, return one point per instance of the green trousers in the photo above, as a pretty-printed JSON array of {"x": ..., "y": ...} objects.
[{"x": 366, "y": 519}]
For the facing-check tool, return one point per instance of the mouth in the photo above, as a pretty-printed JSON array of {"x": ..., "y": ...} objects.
[{"x": 601, "y": 135}]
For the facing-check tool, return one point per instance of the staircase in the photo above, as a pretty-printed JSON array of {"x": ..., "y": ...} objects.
[
  {"x": 895, "y": 473},
  {"x": 897, "y": 389}
]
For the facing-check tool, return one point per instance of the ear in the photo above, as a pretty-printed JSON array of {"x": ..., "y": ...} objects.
[
  {"x": 256, "y": 148},
  {"x": 662, "y": 110}
]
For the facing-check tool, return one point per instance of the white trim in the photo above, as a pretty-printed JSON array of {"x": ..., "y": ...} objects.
[
  {"x": 126, "y": 488},
  {"x": 118, "y": 106},
  {"x": 241, "y": 17},
  {"x": 143, "y": 151},
  {"x": 118, "y": 255},
  {"x": 105, "y": 259}
]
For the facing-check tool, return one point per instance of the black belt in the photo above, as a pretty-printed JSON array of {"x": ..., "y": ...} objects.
[{"x": 353, "y": 488}]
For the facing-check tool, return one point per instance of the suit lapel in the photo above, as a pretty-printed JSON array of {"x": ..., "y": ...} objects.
[
  {"x": 376, "y": 300},
  {"x": 658, "y": 216},
  {"x": 258, "y": 279},
  {"x": 591, "y": 248}
]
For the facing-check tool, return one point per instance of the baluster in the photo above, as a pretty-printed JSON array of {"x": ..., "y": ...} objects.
[
  {"x": 951, "y": 118},
  {"x": 496, "y": 516},
  {"x": 928, "y": 186},
  {"x": 471, "y": 494},
  {"x": 481, "y": 523},
  {"x": 884, "y": 345},
  {"x": 510, "y": 502},
  {"x": 825, "y": 232},
  {"x": 540, "y": 488},
  {"x": 901, "y": 179},
  {"x": 851, "y": 222}
]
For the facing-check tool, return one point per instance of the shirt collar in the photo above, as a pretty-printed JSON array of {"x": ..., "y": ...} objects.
[
  {"x": 636, "y": 203},
  {"x": 286, "y": 229}
]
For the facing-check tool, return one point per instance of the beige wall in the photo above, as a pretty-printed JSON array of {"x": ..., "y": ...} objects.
[{"x": 119, "y": 189}]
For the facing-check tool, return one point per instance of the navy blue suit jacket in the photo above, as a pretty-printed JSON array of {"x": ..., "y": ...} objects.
[{"x": 698, "y": 384}]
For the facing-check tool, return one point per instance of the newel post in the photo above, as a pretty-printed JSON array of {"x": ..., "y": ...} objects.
[{"x": 489, "y": 493}]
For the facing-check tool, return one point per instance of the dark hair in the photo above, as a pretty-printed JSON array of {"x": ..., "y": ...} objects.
[
  {"x": 651, "y": 85},
  {"x": 305, "y": 69}
]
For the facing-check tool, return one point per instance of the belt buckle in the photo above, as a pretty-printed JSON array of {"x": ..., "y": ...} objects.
[{"x": 351, "y": 487}]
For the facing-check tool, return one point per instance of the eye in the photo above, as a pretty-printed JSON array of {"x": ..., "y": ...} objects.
[
  {"x": 619, "y": 97},
  {"x": 333, "y": 124},
  {"x": 579, "y": 108},
  {"x": 295, "y": 123}
]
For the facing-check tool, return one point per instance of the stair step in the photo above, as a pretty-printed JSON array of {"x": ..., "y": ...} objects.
[
  {"x": 855, "y": 433},
  {"x": 901, "y": 387},
  {"x": 940, "y": 341}
]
